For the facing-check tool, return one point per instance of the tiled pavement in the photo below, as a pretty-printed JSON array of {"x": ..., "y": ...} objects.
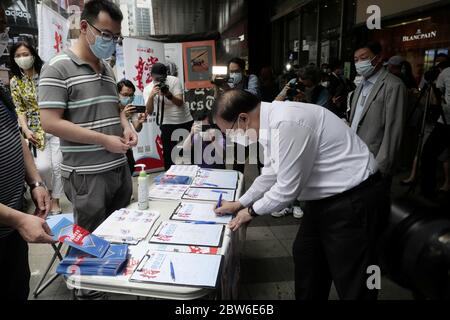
[{"x": 267, "y": 269}]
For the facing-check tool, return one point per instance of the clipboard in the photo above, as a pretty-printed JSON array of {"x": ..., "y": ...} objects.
[
  {"x": 215, "y": 219},
  {"x": 196, "y": 229},
  {"x": 155, "y": 276}
]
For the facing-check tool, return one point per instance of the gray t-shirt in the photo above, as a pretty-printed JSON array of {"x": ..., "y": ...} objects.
[{"x": 89, "y": 100}]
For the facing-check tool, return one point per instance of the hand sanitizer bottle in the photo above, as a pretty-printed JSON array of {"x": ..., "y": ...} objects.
[{"x": 142, "y": 188}]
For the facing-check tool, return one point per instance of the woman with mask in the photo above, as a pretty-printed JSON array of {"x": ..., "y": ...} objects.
[{"x": 26, "y": 66}]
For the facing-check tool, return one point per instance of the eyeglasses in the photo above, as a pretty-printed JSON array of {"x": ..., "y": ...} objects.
[{"x": 106, "y": 36}]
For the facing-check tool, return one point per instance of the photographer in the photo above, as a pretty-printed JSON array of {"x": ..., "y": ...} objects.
[
  {"x": 165, "y": 96},
  {"x": 238, "y": 80},
  {"x": 305, "y": 88}
]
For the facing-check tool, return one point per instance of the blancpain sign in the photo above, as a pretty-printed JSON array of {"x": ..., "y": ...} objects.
[{"x": 420, "y": 36}]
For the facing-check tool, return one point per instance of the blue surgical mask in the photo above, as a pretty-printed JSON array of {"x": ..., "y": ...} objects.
[
  {"x": 126, "y": 100},
  {"x": 102, "y": 49},
  {"x": 236, "y": 77},
  {"x": 365, "y": 68}
]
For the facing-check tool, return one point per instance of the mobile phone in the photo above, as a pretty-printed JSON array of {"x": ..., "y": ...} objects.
[{"x": 139, "y": 109}]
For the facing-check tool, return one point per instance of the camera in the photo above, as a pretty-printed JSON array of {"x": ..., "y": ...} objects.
[
  {"x": 162, "y": 85},
  {"x": 220, "y": 75},
  {"x": 294, "y": 89}
]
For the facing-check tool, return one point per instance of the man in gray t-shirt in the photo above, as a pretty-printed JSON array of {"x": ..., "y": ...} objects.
[{"x": 79, "y": 104}]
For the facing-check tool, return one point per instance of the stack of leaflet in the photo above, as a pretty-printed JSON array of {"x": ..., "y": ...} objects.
[
  {"x": 164, "y": 179},
  {"x": 89, "y": 254},
  {"x": 167, "y": 191},
  {"x": 183, "y": 170},
  {"x": 127, "y": 226},
  {"x": 77, "y": 262}
]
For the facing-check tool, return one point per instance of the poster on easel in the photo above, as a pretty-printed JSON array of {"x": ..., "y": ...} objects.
[
  {"x": 199, "y": 58},
  {"x": 139, "y": 56}
]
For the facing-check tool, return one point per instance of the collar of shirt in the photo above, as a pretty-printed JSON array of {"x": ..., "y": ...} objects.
[
  {"x": 373, "y": 78},
  {"x": 80, "y": 62}
]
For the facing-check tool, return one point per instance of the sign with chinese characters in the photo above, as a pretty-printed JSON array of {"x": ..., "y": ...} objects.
[
  {"x": 53, "y": 31},
  {"x": 140, "y": 56}
]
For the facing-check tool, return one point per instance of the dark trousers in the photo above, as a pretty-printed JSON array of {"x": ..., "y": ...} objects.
[
  {"x": 337, "y": 241},
  {"x": 95, "y": 196},
  {"x": 14, "y": 268},
  {"x": 437, "y": 142},
  {"x": 166, "y": 136}
]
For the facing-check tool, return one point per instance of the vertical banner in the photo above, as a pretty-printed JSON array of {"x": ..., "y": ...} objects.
[
  {"x": 199, "y": 58},
  {"x": 173, "y": 53},
  {"x": 53, "y": 30},
  {"x": 139, "y": 56}
]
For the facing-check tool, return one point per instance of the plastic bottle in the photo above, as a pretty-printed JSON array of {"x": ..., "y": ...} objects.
[{"x": 142, "y": 188}]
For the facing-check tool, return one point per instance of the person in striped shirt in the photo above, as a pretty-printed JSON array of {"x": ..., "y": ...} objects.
[
  {"x": 79, "y": 103},
  {"x": 16, "y": 227}
]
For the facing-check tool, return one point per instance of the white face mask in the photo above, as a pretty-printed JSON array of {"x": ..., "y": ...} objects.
[{"x": 25, "y": 63}]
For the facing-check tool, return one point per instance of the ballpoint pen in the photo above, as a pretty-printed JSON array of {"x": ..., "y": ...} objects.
[
  {"x": 172, "y": 271},
  {"x": 203, "y": 222},
  {"x": 219, "y": 203}
]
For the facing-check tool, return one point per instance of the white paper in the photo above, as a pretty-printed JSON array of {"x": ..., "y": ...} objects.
[
  {"x": 127, "y": 226},
  {"x": 183, "y": 249},
  {"x": 216, "y": 179},
  {"x": 199, "y": 211},
  {"x": 208, "y": 194},
  {"x": 171, "y": 232},
  {"x": 183, "y": 170},
  {"x": 189, "y": 269},
  {"x": 135, "y": 255},
  {"x": 167, "y": 191}
]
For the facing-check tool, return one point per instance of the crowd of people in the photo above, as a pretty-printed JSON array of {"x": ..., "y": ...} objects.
[{"x": 67, "y": 127}]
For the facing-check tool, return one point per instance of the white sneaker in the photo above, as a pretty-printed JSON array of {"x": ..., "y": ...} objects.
[
  {"x": 297, "y": 212},
  {"x": 282, "y": 213}
]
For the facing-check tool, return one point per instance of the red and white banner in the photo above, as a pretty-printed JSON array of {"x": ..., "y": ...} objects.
[
  {"x": 53, "y": 31},
  {"x": 138, "y": 58}
]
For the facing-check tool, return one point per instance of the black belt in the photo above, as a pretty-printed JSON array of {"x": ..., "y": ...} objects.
[{"x": 368, "y": 182}]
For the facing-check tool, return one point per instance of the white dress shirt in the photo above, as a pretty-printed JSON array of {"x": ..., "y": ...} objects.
[
  {"x": 365, "y": 92},
  {"x": 309, "y": 153}
]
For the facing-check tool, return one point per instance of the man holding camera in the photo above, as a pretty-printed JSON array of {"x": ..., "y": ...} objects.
[
  {"x": 165, "y": 96},
  {"x": 306, "y": 88}
]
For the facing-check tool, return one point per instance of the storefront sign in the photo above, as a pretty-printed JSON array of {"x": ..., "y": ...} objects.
[{"x": 420, "y": 36}]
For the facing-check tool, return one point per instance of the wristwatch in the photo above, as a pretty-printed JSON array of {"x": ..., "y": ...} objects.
[
  {"x": 36, "y": 184},
  {"x": 252, "y": 212}
]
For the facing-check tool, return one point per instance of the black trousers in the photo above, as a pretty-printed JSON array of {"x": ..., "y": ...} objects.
[
  {"x": 168, "y": 145},
  {"x": 14, "y": 268},
  {"x": 337, "y": 241},
  {"x": 437, "y": 142}
]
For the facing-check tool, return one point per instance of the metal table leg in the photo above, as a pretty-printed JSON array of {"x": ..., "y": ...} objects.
[{"x": 41, "y": 287}]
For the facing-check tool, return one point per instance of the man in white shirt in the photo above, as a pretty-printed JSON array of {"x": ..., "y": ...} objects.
[
  {"x": 165, "y": 95},
  {"x": 313, "y": 156}
]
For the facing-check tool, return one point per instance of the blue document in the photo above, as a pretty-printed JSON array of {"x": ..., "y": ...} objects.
[
  {"x": 173, "y": 179},
  {"x": 78, "y": 262},
  {"x": 79, "y": 238}
]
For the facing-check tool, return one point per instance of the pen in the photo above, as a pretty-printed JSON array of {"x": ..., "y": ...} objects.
[
  {"x": 172, "y": 271},
  {"x": 203, "y": 222},
  {"x": 219, "y": 203},
  {"x": 210, "y": 184},
  {"x": 218, "y": 191}
]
